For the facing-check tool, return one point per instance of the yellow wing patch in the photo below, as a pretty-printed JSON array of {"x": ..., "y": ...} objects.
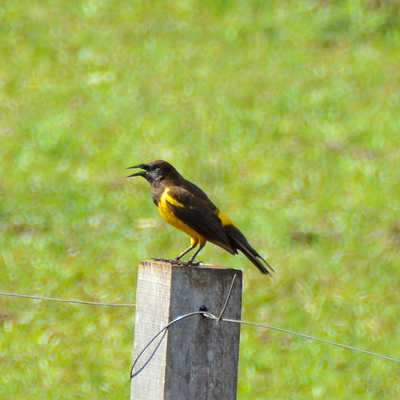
[
  {"x": 166, "y": 197},
  {"x": 224, "y": 218}
]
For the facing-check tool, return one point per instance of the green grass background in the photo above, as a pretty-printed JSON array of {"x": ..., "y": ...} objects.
[{"x": 285, "y": 112}]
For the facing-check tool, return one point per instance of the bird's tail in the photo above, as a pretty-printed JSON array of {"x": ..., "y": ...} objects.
[{"x": 239, "y": 242}]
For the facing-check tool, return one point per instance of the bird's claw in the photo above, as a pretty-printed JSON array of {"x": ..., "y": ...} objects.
[{"x": 175, "y": 261}]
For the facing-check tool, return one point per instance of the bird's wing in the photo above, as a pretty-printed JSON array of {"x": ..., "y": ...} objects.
[{"x": 198, "y": 212}]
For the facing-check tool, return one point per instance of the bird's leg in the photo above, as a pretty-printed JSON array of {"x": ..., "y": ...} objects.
[
  {"x": 190, "y": 248},
  {"x": 176, "y": 260},
  {"x": 193, "y": 244},
  {"x": 191, "y": 260}
]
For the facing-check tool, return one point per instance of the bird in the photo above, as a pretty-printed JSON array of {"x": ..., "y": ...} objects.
[{"x": 185, "y": 206}]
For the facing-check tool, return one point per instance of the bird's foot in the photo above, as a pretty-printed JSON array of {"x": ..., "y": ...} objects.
[
  {"x": 189, "y": 263},
  {"x": 167, "y": 260},
  {"x": 175, "y": 261}
]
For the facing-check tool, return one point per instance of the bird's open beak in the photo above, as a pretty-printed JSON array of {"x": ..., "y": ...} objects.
[{"x": 140, "y": 173}]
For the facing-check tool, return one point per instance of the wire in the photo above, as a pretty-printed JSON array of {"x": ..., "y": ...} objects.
[
  {"x": 227, "y": 298},
  {"x": 87, "y": 303},
  {"x": 219, "y": 319},
  {"x": 177, "y": 319},
  {"x": 308, "y": 337},
  {"x": 208, "y": 315}
]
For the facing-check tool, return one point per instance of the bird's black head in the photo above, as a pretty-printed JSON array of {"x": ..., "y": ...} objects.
[{"x": 156, "y": 170}]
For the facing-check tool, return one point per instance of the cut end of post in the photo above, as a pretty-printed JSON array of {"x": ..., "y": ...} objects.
[{"x": 170, "y": 263}]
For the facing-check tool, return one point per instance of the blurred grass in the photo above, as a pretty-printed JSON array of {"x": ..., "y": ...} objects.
[{"x": 286, "y": 113}]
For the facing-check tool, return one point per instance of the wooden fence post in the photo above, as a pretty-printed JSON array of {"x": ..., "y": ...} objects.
[{"x": 198, "y": 357}]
